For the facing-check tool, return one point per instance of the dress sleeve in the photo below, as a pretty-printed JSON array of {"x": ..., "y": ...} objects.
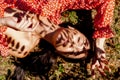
[
  {"x": 3, "y": 39},
  {"x": 103, "y": 19}
]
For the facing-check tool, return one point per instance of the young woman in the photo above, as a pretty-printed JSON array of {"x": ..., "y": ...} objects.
[{"x": 53, "y": 9}]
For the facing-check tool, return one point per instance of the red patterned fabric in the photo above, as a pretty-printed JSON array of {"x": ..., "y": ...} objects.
[
  {"x": 3, "y": 42},
  {"x": 53, "y": 9}
]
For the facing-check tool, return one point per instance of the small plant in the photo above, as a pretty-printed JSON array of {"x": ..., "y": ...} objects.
[
  {"x": 70, "y": 16},
  {"x": 2, "y": 77}
]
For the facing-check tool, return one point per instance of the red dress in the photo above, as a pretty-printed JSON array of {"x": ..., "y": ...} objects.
[{"x": 53, "y": 9}]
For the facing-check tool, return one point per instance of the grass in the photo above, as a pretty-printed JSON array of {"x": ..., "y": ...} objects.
[{"x": 77, "y": 70}]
